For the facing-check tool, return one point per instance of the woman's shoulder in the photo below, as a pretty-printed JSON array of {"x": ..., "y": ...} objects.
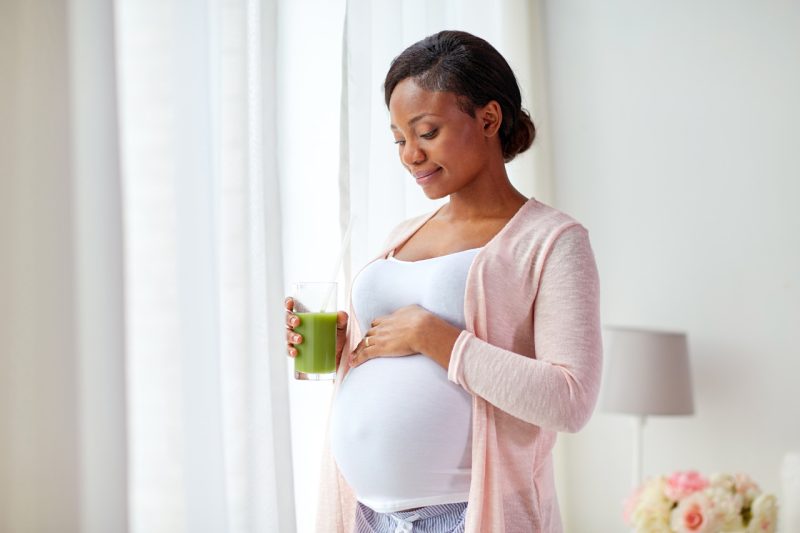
[
  {"x": 531, "y": 238},
  {"x": 541, "y": 221}
]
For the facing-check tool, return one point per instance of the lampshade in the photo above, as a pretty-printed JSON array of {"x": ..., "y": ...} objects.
[{"x": 647, "y": 373}]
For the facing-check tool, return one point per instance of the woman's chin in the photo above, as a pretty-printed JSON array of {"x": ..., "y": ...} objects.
[{"x": 434, "y": 193}]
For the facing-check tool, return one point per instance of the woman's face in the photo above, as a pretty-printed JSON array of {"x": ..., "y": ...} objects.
[{"x": 443, "y": 147}]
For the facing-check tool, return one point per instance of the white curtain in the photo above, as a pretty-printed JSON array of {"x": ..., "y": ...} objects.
[
  {"x": 307, "y": 135},
  {"x": 143, "y": 378},
  {"x": 207, "y": 389}
]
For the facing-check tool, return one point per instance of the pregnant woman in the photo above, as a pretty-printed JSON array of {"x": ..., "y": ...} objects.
[{"x": 474, "y": 336}]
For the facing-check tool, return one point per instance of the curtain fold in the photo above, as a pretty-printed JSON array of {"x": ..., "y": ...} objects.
[
  {"x": 142, "y": 372},
  {"x": 208, "y": 398},
  {"x": 99, "y": 268},
  {"x": 276, "y": 472}
]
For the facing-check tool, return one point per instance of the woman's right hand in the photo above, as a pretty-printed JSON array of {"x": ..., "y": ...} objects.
[{"x": 292, "y": 338}]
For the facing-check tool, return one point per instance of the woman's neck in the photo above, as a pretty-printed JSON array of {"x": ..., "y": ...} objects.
[{"x": 485, "y": 198}]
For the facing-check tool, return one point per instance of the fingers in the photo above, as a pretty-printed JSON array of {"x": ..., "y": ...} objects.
[
  {"x": 341, "y": 320},
  {"x": 292, "y": 338},
  {"x": 358, "y": 356},
  {"x": 363, "y": 352},
  {"x": 292, "y": 321}
]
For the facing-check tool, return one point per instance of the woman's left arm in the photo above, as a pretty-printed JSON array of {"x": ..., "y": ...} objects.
[{"x": 559, "y": 388}]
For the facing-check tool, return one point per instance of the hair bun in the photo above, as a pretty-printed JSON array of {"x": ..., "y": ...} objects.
[{"x": 521, "y": 136}]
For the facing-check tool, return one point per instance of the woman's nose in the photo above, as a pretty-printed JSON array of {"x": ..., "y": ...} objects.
[{"x": 412, "y": 154}]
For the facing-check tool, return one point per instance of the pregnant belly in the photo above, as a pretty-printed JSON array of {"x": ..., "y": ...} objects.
[{"x": 401, "y": 432}]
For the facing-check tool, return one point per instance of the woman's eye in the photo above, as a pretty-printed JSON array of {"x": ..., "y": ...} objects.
[
  {"x": 429, "y": 135},
  {"x": 400, "y": 142}
]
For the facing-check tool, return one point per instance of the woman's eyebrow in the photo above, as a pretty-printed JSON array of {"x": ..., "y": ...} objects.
[{"x": 416, "y": 119}]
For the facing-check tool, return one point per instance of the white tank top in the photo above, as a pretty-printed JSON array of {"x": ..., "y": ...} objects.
[{"x": 400, "y": 430}]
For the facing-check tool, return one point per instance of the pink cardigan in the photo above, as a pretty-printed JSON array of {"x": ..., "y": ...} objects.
[{"x": 531, "y": 358}]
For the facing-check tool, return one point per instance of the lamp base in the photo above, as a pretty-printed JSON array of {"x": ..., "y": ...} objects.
[{"x": 638, "y": 452}]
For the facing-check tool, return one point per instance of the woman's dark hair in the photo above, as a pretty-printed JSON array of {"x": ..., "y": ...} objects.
[{"x": 471, "y": 68}]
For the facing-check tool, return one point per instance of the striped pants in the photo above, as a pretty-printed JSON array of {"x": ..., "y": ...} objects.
[{"x": 447, "y": 518}]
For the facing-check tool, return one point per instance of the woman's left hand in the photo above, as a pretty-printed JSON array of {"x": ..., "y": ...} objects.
[{"x": 409, "y": 330}]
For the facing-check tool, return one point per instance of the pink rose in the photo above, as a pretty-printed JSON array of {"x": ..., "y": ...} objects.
[
  {"x": 682, "y": 484},
  {"x": 695, "y": 514},
  {"x": 693, "y": 518}
]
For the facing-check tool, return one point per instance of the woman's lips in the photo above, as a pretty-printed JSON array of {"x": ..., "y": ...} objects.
[{"x": 424, "y": 176}]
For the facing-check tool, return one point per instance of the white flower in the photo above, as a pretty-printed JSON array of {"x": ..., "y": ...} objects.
[
  {"x": 764, "y": 514},
  {"x": 723, "y": 481},
  {"x": 652, "y": 510},
  {"x": 748, "y": 488},
  {"x": 727, "y": 508}
]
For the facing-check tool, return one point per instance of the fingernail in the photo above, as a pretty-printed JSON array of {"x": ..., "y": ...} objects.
[
  {"x": 294, "y": 321},
  {"x": 296, "y": 338}
]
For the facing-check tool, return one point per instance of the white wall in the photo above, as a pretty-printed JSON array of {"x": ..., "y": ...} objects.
[{"x": 675, "y": 135}]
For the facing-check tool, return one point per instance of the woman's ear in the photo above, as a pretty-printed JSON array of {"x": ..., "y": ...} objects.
[{"x": 491, "y": 116}]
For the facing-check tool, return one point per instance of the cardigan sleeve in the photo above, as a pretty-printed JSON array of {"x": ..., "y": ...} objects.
[{"x": 558, "y": 389}]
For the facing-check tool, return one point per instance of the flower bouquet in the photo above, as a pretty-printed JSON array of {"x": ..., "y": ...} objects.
[{"x": 689, "y": 502}]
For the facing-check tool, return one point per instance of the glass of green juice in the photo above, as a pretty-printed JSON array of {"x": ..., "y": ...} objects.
[{"x": 315, "y": 306}]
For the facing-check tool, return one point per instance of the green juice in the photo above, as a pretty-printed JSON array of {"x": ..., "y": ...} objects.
[{"x": 317, "y": 353}]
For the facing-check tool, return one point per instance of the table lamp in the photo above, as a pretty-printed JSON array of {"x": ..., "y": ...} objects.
[{"x": 647, "y": 374}]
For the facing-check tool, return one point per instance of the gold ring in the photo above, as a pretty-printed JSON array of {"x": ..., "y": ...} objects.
[{"x": 366, "y": 341}]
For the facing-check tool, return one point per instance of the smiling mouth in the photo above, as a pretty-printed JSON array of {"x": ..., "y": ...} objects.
[{"x": 425, "y": 175}]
